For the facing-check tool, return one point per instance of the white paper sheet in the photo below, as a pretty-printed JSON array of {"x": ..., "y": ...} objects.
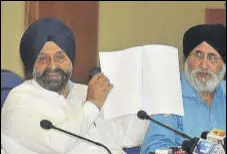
[
  {"x": 161, "y": 87},
  {"x": 144, "y": 77}
]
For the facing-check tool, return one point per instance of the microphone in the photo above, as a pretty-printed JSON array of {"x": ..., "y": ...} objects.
[
  {"x": 46, "y": 124},
  {"x": 217, "y": 136},
  {"x": 94, "y": 71},
  {"x": 189, "y": 145},
  {"x": 144, "y": 116},
  {"x": 207, "y": 144},
  {"x": 204, "y": 135},
  {"x": 201, "y": 146}
]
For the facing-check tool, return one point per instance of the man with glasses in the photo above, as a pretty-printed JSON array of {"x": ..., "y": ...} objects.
[{"x": 203, "y": 89}]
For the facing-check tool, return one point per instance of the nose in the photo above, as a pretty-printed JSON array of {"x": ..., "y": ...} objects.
[
  {"x": 52, "y": 64},
  {"x": 203, "y": 63}
]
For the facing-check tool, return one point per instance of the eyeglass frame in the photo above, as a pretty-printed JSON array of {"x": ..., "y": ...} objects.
[
  {"x": 215, "y": 56},
  {"x": 57, "y": 59}
]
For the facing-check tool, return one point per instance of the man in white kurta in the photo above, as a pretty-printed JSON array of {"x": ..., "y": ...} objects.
[
  {"x": 78, "y": 110},
  {"x": 29, "y": 103}
]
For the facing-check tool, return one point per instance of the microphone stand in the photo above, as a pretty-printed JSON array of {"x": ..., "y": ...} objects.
[
  {"x": 144, "y": 115},
  {"x": 48, "y": 125}
]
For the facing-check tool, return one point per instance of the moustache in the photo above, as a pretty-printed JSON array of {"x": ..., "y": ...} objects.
[
  {"x": 57, "y": 71},
  {"x": 204, "y": 71}
]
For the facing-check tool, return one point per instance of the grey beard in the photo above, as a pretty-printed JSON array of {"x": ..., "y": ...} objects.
[
  {"x": 53, "y": 85},
  {"x": 204, "y": 86}
]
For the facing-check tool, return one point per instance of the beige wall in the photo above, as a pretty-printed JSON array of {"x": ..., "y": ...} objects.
[
  {"x": 12, "y": 27},
  {"x": 121, "y": 25},
  {"x": 126, "y": 24}
]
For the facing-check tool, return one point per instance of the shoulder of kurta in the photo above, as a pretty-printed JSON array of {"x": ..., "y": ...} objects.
[{"x": 26, "y": 85}]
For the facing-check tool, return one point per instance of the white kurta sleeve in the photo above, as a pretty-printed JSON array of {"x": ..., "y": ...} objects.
[
  {"x": 21, "y": 116},
  {"x": 131, "y": 130},
  {"x": 135, "y": 131}
]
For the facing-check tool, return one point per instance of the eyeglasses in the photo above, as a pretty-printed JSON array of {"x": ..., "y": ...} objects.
[
  {"x": 211, "y": 57},
  {"x": 45, "y": 59}
]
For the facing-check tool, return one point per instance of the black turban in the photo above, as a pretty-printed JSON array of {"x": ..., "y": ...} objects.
[
  {"x": 41, "y": 31},
  {"x": 213, "y": 34}
]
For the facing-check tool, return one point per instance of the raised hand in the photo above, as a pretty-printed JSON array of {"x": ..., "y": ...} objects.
[{"x": 98, "y": 89}]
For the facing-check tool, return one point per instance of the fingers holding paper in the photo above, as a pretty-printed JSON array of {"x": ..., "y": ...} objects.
[{"x": 98, "y": 89}]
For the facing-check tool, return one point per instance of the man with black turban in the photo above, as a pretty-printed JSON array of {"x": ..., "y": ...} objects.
[
  {"x": 47, "y": 49},
  {"x": 203, "y": 89}
]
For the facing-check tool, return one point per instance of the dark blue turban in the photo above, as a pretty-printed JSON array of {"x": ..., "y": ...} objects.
[
  {"x": 213, "y": 34},
  {"x": 41, "y": 31}
]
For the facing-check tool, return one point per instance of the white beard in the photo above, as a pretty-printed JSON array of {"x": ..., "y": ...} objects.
[{"x": 203, "y": 85}]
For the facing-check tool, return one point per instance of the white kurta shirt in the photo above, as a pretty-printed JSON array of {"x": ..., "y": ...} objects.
[{"x": 29, "y": 103}]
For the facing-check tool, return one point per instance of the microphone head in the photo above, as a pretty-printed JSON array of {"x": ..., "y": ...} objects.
[
  {"x": 46, "y": 124},
  {"x": 94, "y": 71},
  {"x": 189, "y": 145},
  {"x": 142, "y": 115},
  {"x": 204, "y": 135}
]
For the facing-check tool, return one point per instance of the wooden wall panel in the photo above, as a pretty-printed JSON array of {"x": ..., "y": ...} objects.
[
  {"x": 214, "y": 16},
  {"x": 82, "y": 18}
]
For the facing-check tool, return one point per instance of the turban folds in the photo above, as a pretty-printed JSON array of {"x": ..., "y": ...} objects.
[
  {"x": 41, "y": 31},
  {"x": 213, "y": 34}
]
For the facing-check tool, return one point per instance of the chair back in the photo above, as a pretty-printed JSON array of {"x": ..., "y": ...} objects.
[{"x": 9, "y": 80}]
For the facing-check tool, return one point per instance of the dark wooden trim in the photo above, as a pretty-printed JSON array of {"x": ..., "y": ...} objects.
[{"x": 215, "y": 15}]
